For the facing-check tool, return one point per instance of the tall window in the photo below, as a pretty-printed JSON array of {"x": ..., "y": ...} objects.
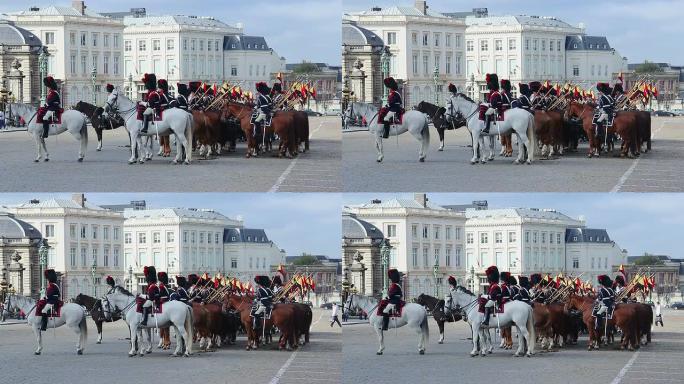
[
  {"x": 414, "y": 256},
  {"x": 575, "y": 70},
  {"x": 115, "y": 257},
  {"x": 470, "y": 45},
  {"x": 84, "y": 66},
  {"x": 512, "y": 237},
  {"x": 426, "y": 38},
  {"x": 84, "y": 231},
  {"x": 447, "y": 65},
  {"x": 72, "y": 38},
  {"x": 484, "y": 45},
  {"x": 447, "y": 256},
  {"x": 105, "y": 40},
  {"x": 95, "y": 36},
  {"x": 84, "y": 256},
  {"x": 457, "y": 257},
  {"x": 116, "y": 233},
  {"x": 142, "y": 238},
  {"x": 512, "y": 44},
  {"x": 426, "y": 255},
  {"x": 391, "y": 38},
  {"x": 128, "y": 238},
  {"x": 72, "y": 231},
  {"x": 498, "y": 45},
  {"x": 170, "y": 236},
  {"x": 49, "y": 37},
  {"x": 105, "y": 64},
  {"x": 415, "y": 64},
  {"x": 84, "y": 39},
  {"x": 414, "y": 38},
  {"x": 575, "y": 263},
  {"x": 105, "y": 256},
  {"x": 437, "y": 36},
  {"x": 115, "y": 40},
  {"x": 426, "y": 67},
  {"x": 156, "y": 237},
  {"x": 142, "y": 45},
  {"x": 498, "y": 237},
  {"x": 128, "y": 46},
  {"x": 414, "y": 231},
  {"x": 447, "y": 40},
  {"x": 156, "y": 45},
  {"x": 469, "y": 238},
  {"x": 484, "y": 238},
  {"x": 426, "y": 232},
  {"x": 72, "y": 256},
  {"x": 437, "y": 230},
  {"x": 391, "y": 230},
  {"x": 170, "y": 44},
  {"x": 447, "y": 232}
]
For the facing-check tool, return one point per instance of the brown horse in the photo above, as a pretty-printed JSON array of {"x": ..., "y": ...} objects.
[
  {"x": 435, "y": 306},
  {"x": 624, "y": 124},
  {"x": 94, "y": 113},
  {"x": 282, "y": 124},
  {"x": 94, "y": 306},
  {"x": 282, "y": 316},
  {"x": 624, "y": 317},
  {"x": 301, "y": 121}
]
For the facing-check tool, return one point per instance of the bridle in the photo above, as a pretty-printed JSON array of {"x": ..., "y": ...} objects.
[{"x": 108, "y": 313}]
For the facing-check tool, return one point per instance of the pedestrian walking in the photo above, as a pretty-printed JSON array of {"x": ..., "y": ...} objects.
[
  {"x": 333, "y": 316},
  {"x": 2, "y": 120},
  {"x": 659, "y": 315}
]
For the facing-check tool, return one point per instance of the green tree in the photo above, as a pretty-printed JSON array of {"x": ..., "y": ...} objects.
[
  {"x": 648, "y": 259},
  {"x": 305, "y": 67},
  {"x": 648, "y": 67},
  {"x": 305, "y": 259}
]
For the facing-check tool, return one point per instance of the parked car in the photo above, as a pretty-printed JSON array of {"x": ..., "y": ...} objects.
[
  {"x": 312, "y": 113},
  {"x": 678, "y": 305},
  {"x": 663, "y": 113},
  {"x": 327, "y": 305}
]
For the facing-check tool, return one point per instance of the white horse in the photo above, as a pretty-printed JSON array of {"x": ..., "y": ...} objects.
[
  {"x": 71, "y": 314},
  {"x": 517, "y": 120},
  {"x": 73, "y": 121},
  {"x": 414, "y": 122},
  {"x": 516, "y": 313},
  {"x": 175, "y": 314},
  {"x": 414, "y": 315},
  {"x": 175, "y": 121}
]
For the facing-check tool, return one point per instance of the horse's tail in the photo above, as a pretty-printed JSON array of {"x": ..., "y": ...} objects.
[
  {"x": 189, "y": 330},
  {"x": 530, "y": 329},
  {"x": 84, "y": 132},
  {"x": 531, "y": 135},
  {"x": 426, "y": 134},
  {"x": 83, "y": 326},
  {"x": 188, "y": 135},
  {"x": 425, "y": 329}
]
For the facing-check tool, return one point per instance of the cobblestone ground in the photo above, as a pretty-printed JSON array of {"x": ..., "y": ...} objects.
[
  {"x": 661, "y": 170},
  {"x": 108, "y": 170},
  {"x": 317, "y": 362},
  {"x": 659, "y": 362}
]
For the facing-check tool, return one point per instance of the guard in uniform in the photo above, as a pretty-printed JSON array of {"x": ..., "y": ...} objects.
[
  {"x": 182, "y": 97},
  {"x": 163, "y": 285},
  {"x": 181, "y": 293},
  {"x": 506, "y": 96},
  {"x": 449, "y": 298},
  {"x": 537, "y": 96},
  {"x": 494, "y": 99},
  {"x": 52, "y": 104},
  {"x": 514, "y": 288},
  {"x": 619, "y": 96},
  {"x": 394, "y": 297},
  {"x": 393, "y": 108},
  {"x": 112, "y": 284},
  {"x": 151, "y": 100},
  {"x": 277, "y": 94},
  {"x": 523, "y": 101},
  {"x": 605, "y": 298},
  {"x": 263, "y": 299},
  {"x": 450, "y": 113},
  {"x": 193, "y": 283},
  {"x": 52, "y": 294},
  {"x": 493, "y": 294},
  {"x": 524, "y": 285},
  {"x": 163, "y": 91},
  {"x": 276, "y": 284},
  {"x": 619, "y": 286},
  {"x": 606, "y": 106},
  {"x": 152, "y": 292},
  {"x": 506, "y": 294},
  {"x": 194, "y": 87},
  {"x": 262, "y": 108},
  {"x": 537, "y": 292}
]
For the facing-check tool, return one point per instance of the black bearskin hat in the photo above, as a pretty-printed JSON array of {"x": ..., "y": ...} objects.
[
  {"x": 512, "y": 280},
  {"x": 193, "y": 279},
  {"x": 50, "y": 275},
  {"x": 506, "y": 85},
  {"x": 262, "y": 88},
  {"x": 617, "y": 89},
  {"x": 605, "y": 281},
  {"x": 110, "y": 88},
  {"x": 277, "y": 281},
  {"x": 492, "y": 274},
  {"x": 391, "y": 83},
  {"x": 452, "y": 88},
  {"x": 451, "y": 280},
  {"x": 504, "y": 276},
  {"x": 150, "y": 274},
  {"x": 603, "y": 88},
  {"x": 277, "y": 88},
  {"x": 492, "y": 81},
  {"x": 394, "y": 275},
  {"x": 110, "y": 281},
  {"x": 163, "y": 277},
  {"x": 50, "y": 82},
  {"x": 183, "y": 89},
  {"x": 535, "y": 86},
  {"x": 150, "y": 81},
  {"x": 163, "y": 84},
  {"x": 524, "y": 282},
  {"x": 194, "y": 85},
  {"x": 181, "y": 282},
  {"x": 262, "y": 280},
  {"x": 524, "y": 89},
  {"x": 535, "y": 278},
  {"x": 619, "y": 281}
]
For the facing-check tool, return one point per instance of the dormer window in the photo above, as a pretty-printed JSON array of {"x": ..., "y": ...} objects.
[
  {"x": 232, "y": 46},
  {"x": 249, "y": 46},
  {"x": 591, "y": 46},
  {"x": 574, "y": 45}
]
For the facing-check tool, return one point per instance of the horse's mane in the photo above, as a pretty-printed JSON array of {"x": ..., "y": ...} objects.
[
  {"x": 463, "y": 95},
  {"x": 465, "y": 290},
  {"x": 123, "y": 290}
]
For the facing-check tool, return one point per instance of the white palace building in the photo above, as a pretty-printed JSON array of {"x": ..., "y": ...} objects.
[
  {"x": 463, "y": 240},
  {"x": 432, "y": 49}
]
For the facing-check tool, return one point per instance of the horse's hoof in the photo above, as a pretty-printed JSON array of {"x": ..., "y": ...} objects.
[
  {"x": 46, "y": 159},
  {"x": 528, "y": 162},
  {"x": 422, "y": 159},
  {"x": 36, "y": 353},
  {"x": 421, "y": 352},
  {"x": 131, "y": 161},
  {"x": 441, "y": 149},
  {"x": 79, "y": 352},
  {"x": 529, "y": 354},
  {"x": 98, "y": 342},
  {"x": 36, "y": 160},
  {"x": 99, "y": 149},
  {"x": 473, "y": 162},
  {"x": 440, "y": 342},
  {"x": 80, "y": 159},
  {"x": 174, "y": 355},
  {"x": 186, "y": 162},
  {"x": 378, "y": 353}
]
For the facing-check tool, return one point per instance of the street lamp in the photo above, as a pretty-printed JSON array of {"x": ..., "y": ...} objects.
[
  {"x": 385, "y": 255},
  {"x": 435, "y": 77},
  {"x": 93, "y": 270},
  {"x": 93, "y": 77},
  {"x": 472, "y": 279},
  {"x": 43, "y": 253},
  {"x": 435, "y": 272},
  {"x": 385, "y": 63},
  {"x": 42, "y": 65},
  {"x": 130, "y": 278}
]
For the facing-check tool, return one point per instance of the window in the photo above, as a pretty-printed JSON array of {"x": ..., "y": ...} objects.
[
  {"x": 512, "y": 259},
  {"x": 193, "y": 236},
  {"x": 551, "y": 45},
  {"x": 414, "y": 231},
  {"x": 156, "y": 45},
  {"x": 117, "y": 230},
  {"x": 426, "y": 252},
  {"x": 426, "y": 38},
  {"x": 105, "y": 233},
  {"x": 216, "y": 45},
  {"x": 170, "y": 237},
  {"x": 250, "y": 262},
  {"x": 127, "y": 46},
  {"x": 142, "y": 257},
  {"x": 50, "y": 230},
  {"x": 217, "y": 236},
  {"x": 105, "y": 256},
  {"x": 437, "y": 252},
  {"x": 414, "y": 256},
  {"x": 575, "y": 263},
  {"x": 94, "y": 62},
  {"x": 575, "y": 70},
  {"x": 209, "y": 238},
  {"x": 550, "y": 237},
  {"x": 457, "y": 234},
  {"x": 447, "y": 256},
  {"x": 185, "y": 236},
  {"x": 391, "y": 230},
  {"x": 115, "y": 40},
  {"x": 415, "y": 64},
  {"x": 498, "y": 237},
  {"x": 436, "y": 36},
  {"x": 193, "y": 43},
  {"x": 170, "y": 44},
  {"x": 73, "y": 64},
  {"x": 95, "y": 36},
  {"x": 142, "y": 45},
  {"x": 534, "y": 237},
  {"x": 105, "y": 64},
  {"x": 543, "y": 237},
  {"x": 128, "y": 238},
  {"x": 233, "y": 71},
  {"x": 484, "y": 45},
  {"x": 84, "y": 231},
  {"x": 447, "y": 232},
  {"x": 391, "y": 38},
  {"x": 142, "y": 238},
  {"x": 470, "y": 45},
  {"x": 512, "y": 44},
  {"x": 115, "y": 257},
  {"x": 484, "y": 238},
  {"x": 426, "y": 232},
  {"x": 535, "y": 43},
  {"x": 72, "y": 38},
  {"x": 447, "y": 40},
  {"x": 469, "y": 238},
  {"x": 84, "y": 254},
  {"x": 201, "y": 237},
  {"x": 447, "y": 65},
  {"x": 558, "y": 45},
  {"x": 498, "y": 45},
  {"x": 201, "y": 45},
  {"x": 592, "y": 263},
  {"x": 84, "y": 39},
  {"x": 558, "y": 238},
  {"x": 84, "y": 64},
  {"x": 49, "y": 37},
  {"x": 233, "y": 263},
  {"x": 527, "y": 236},
  {"x": 156, "y": 237},
  {"x": 527, "y": 44},
  {"x": 436, "y": 230},
  {"x": 543, "y": 45}
]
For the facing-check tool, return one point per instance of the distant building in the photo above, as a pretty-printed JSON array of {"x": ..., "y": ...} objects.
[
  {"x": 669, "y": 81},
  {"x": 591, "y": 252},
  {"x": 249, "y": 252},
  {"x": 591, "y": 59},
  {"x": 325, "y": 80},
  {"x": 669, "y": 277},
  {"x": 362, "y": 262},
  {"x": 326, "y": 273},
  {"x": 249, "y": 59},
  {"x": 19, "y": 51},
  {"x": 19, "y": 260},
  {"x": 361, "y": 67}
]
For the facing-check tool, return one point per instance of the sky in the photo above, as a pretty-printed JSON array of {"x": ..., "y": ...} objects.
[
  {"x": 306, "y": 30},
  {"x": 638, "y": 222},
  {"x": 638, "y": 29},
  {"x": 296, "y": 222}
]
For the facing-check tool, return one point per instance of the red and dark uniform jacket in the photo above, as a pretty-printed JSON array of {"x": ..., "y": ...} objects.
[
  {"x": 395, "y": 294},
  {"x": 154, "y": 294},
  {"x": 154, "y": 101},
  {"x": 394, "y": 102},
  {"x": 506, "y": 100},
  {"x": 163, "y": 293},
  {"x": 495, "y": 293},
  {"x": 52, "y": 294},
  {"x": 496, "y": 101},
  {"x": 52, "y": 102},
  {"x": 505, "y": 293}
]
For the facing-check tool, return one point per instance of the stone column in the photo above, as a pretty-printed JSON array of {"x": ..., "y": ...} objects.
[
  {"x": 16, "y": 276},
  {"x": 358, "y": 81},
  {"x": 16, "y": 81}
]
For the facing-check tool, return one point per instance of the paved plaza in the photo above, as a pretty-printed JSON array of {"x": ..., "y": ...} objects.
[
  {"x": 317, "y": 362},
  {"x": 661, "y": 170},
  {"x": 108, "y": 171},
  {"x": 659, "y": 362}
]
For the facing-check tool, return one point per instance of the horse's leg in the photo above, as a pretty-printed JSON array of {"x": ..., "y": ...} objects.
[
  {"x": 98, "y": 131},
  {"x": 475, "y": 329},
  {"x": 148, "y": 340},
  {"x": 134, "y": 142},
  {"x": 44, "y": 146},
  {"x": 98, "y": 324},
  {"x": 441, "y": 138},
  {"x": 378, "y": 147},
  {"x": 134, "y": 340},
  {"x": 476, "y": 143},
  {"x": 492, "y": 140},
  {"x": 440, "y": 324},
  {"x": 39, "y": 337},
  {"x": 39, "y": 148},
  {"x": 77, "y": 330},
  {"x": 381, "y": 339}
]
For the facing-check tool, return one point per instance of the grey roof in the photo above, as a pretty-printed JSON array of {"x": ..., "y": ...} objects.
[
  {"x": 586, "y": 43},
  {"x": 191, "y": 213},
  {"x": 586, "y": 235},
  {"x": 322, "y": 258},
  {"x": 518, "y": 20},
  {"x": 180, "y": 20},
  {"x": 10, "y": 34},
  {"x": 400, "y": 203},
  {"x": 354, "y": 228},
  {"x": 55, "y": 11},
  {"x": 352, "y": 34},
  {"x": 245, "y": 43},
  {"x": 244, "y": 235},
  {"x": 13, "y": 228},
  {"x": 525, "y": 213},
  {"x": 477, "y": 205},
  {"x": 58, "y": 203},
  {"x": 398, "y": 11}
]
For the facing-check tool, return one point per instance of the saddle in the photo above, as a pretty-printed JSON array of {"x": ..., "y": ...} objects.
[
  {"x": 397, "y": 310},
  {"x": 57, "y": 119},
  {"x": 267, "y": 121},
  {"x": 56, "y": 310},
  {"x": 398, "y": 119},
  {"x": 481, "y": 306},
  {"x": 139, "y": 301},
  {"x": 485, "y": 107},
  {"x": 607, "y": 123},
  {"x": 140, "y": 109}
]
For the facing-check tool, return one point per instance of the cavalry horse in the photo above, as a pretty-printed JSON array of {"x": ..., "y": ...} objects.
[
  {"x": 516, "y": 121},
  {"x": 94, "y": 306},
  {"x": 624, "y": 124},
  {"x": 435, "y": 306},
  {"x": 71, "y": 314},
  {"x": 175, "y": 121},
  {"x": 515, "y": 313},
  {"x": 414, "y": 122},
  {"x": 282, "y": 317},
  {"x": 282, "y": 124},
  {"x": 439, "y": 120},
  {"x": 174, "y": 313},
  {"x": 72, "y": 121},
  {"x": 100, "y": 124},
  {"x": 624, "y": 317},
  {"x": 412, "y": 314}
]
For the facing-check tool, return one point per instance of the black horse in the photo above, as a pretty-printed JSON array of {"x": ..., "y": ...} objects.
[
  {"x": 436, "y": 306},
  {"x": 100, "y": 124},
  {"x": 94, "y": 306},
  {"x": 439, "y": 120}
]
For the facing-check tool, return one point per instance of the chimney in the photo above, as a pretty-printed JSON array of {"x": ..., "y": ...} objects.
[
  {"x": 422, "y": 6},
  {"x": 421, "y": 198},
  {"x": 79, "y": 5},
  {"x": 79, "y": 198}
]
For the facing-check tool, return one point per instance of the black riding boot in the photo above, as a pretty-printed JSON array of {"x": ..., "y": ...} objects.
[
  {"x": 46, "y": 129},
  {"x": 146, "y": 313},
  {"x": 43, "y": 323},
  {"x": 385, "y": 132},
  {"x": 385, "y": 322},
  {"x": 488, "y": 312},
  {"x": 146, "y": 122},
  {"x": 489, "y": 121}
]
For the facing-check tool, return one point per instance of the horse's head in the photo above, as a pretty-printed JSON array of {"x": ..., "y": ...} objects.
[
  {"x": 111, "y": 105},
  {"x": 421, "y": 298}
]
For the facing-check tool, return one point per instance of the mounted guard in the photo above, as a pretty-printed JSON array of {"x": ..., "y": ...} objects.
[
  {"x": 449, "y": 298},
  {"x": 494, "y": 294},
  {"x": 605, "y": 300},
  {"x": 51, "y": 299},
  {"x": 151, "y": 101},
  {"x": 523, "y": 101},
  {"x": 53, "y": 107},
  {"x": 393, "y": 111},
  {"x": 537, "y": 95},
  {"x": 619, "y": 96},
  {"x": 524, "y": 289},
  {"x": 261, "y": 118},
  {"x": 181, "y": 100},
  {"x": 111, "y": 283},
  {"x": 450, "y": 113},
  {"x": 495, "y": 102},
  {"x": 506, "y": 294},
  {"x": 153, "y": 294},
  {"x": 164, "y": 97},
  {"x": 276, "y": 284},
  {"x": 263, "y": 300},
  {"x": 394, "y": 297},
  {"x": 181, "y": 293},
  {"x": 605, "y": 108},
  {"x": 163, "y": 285}
]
